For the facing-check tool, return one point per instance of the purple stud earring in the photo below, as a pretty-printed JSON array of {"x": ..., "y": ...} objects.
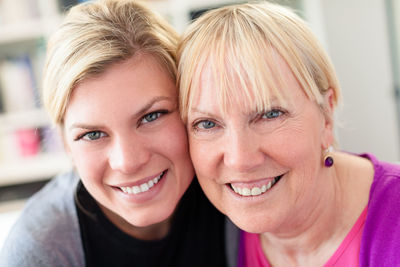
[{"x": 328, "y": 160}]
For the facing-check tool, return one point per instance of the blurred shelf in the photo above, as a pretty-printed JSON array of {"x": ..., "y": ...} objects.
[
  {"x": 40, "y": 167},
  {"x": 27, "y": 30},
  {"x": 34, "y": 118}
]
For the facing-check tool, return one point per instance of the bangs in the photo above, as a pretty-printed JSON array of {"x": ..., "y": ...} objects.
[
  {"x": 251, "y": 78},
  {"x": 243, "y": 67},
  {"x": 242, "y": 46}
]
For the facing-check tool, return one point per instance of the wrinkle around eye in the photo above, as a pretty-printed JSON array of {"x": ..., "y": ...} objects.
[
  {"x": 206, "y": 124},
  {"x": 203, "y": 126}
]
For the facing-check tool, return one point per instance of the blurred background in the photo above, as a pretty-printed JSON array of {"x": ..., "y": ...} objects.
[{"x": 360, "y": 36}]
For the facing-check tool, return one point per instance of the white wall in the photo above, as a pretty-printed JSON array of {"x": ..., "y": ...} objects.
[{"x": 355, "y": 34}]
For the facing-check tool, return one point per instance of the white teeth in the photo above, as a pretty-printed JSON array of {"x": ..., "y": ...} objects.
[
  {"x": 246, "y": 191},
  {"x": 144, "y": 187},
  {"x": 136, "y": 189},
  {"x": 263, "y": 188},
  {"x": 270, "y": 184},
  {"x": 254, "y": 191},
  {"x": 141, "y": 188}
]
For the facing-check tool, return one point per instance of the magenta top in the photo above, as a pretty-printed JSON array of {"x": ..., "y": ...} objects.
[
  {"x": 374, "y": 240},
  {"x": 345, "y": 255}
]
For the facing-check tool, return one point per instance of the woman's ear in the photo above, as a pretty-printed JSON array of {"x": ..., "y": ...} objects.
[{"x": 328, "y": 110}]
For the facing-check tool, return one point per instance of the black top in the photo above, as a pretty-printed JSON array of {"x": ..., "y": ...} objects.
[{"x": 196, "y": 237}]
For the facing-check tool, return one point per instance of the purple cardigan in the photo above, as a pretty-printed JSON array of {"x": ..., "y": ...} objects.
[{"x": 380, "y": 243}]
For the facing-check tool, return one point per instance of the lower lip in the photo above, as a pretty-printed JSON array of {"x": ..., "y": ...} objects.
[{"x": 144, "y": 196}]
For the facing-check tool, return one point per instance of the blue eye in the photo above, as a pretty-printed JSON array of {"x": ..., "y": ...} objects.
[
  {"x": 92, "y": 136},
  {"x": 205, "y": 125},
  {"x": 151, "y": 117},
  {"x": 272, "y": 114}
]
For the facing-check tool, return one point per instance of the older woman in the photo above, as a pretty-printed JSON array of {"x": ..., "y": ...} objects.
[
  {"x": 109, "y": 86},
  {"x": 258, "y": 95}
]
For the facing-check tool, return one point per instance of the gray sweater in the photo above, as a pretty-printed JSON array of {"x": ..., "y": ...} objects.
[{"x": 47, "y": 232}]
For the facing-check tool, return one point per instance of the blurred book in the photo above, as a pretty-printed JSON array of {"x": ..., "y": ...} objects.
[
  {"x": 17, "y": 84},
  {"x": 27, "y": 142},
  {"x": 50, "y": 140},
  {"x": 1, "y": 102}
]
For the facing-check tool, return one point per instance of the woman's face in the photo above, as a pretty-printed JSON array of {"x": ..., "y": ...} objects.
[
  {"x": 261, "y": 169},
  {"x": 128, "y": 143}
]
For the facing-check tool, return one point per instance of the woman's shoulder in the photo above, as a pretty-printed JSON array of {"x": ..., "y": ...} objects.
[
  {"x": 381, "y": 236},
  {"x": 47, "y": 227},
  {"x": 386, "y": 175},
  {"x": 54, "y": 202}
]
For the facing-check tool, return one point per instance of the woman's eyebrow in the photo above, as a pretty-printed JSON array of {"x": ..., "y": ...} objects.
[
  {"x": 151, "y": 103},
  {"x": 83, "y": 126},
  {"x": 138, "y": 113}
]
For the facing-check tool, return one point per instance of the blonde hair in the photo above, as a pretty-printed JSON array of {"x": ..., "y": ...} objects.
[
  {"x": 96, "y": 35},
  {"x": 240, "y": 43}
]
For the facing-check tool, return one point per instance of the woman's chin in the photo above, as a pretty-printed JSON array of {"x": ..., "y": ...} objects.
[
  {"x": 149, "y": 220},
  {"x": 251, "y": 225}
]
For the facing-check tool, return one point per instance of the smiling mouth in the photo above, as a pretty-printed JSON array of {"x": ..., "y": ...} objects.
[
  {"x": 137, "y": 189},
  {"x": 255, "y": 191}
]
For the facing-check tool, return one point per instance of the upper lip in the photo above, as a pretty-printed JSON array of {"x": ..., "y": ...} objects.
[
  {"x": 252, "y": 181},
  {"x": 139, "y": 182}
]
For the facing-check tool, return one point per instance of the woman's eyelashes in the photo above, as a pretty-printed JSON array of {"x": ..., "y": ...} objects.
[
  {"x": 152, "y": 116},
  {"x": 91, "y": 136},
  {"x": 208, "y": 124},
  {"x": 271, "y": 114},
  {"x": 204, "y": 125}
]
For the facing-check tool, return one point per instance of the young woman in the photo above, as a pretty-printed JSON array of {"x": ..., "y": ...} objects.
[{"x": 109, "y": 86}]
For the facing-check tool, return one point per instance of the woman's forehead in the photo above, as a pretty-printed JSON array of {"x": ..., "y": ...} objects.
[
  {"x": 249, "y": 88},
  {"x": 241, "y": 76}
]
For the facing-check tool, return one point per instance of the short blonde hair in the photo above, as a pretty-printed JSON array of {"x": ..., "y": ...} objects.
[
  {"x": 96, "y": 35},
  {"x": 240, "y": 42}
]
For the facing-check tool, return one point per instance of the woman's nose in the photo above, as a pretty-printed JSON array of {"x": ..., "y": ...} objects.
[
  {"x": 128, "y": 155},
  {"x": 242, "y": 151}
]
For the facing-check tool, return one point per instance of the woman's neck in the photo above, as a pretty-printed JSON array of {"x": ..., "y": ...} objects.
[
  {"x": 315, "y": 233},
  {"x": 151, "y": 232}
]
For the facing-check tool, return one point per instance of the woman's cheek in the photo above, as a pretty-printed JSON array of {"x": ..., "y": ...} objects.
[
  {"x": 202, "y": 157},
  {"x": 87, "y": 163}
]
